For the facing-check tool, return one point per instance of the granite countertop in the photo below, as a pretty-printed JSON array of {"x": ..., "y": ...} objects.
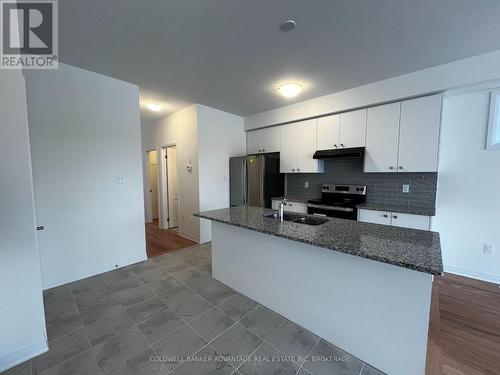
[
  {"x": 409, "y": 248},
  {"x": 402, "y": 209},
  {"x": 291, "y": 199}
]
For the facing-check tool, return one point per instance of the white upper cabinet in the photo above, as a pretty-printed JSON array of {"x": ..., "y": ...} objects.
[
  {"x": 403, "y": 136},
  {"x": 419, "y": 134},
  {"x": 263, "y": 140},
  {"x": 382, "y": 136},
  {"x": 288, "y": 148},
  {"x": 328, "y": 132},
  {"x": 306, "y": 147},
  {"x": 353, "y": 129},
  {"x": 298, "y": 144}
]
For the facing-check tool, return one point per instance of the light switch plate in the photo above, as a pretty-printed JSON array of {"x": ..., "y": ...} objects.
[
  {"x": 306, "y": 184},
  {"x": 406, "y": 188},
  {"x": 488, "y": 249},
  {"x": 119, "y": 180}
]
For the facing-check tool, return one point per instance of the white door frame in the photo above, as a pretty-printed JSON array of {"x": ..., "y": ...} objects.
[
  {"x": 148, "y": 201},
  {"x": 163, "y": 211},
  {"x": 171, "y": 225},
  {"x": 163, "y": 182}
]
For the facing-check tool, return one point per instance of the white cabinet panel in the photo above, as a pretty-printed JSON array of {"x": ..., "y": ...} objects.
[
  {"x": 328, "y": 132},
  {"x": 376, "y": 217},
  {"x": 419, "y": 134},
  {"x": 291, "y": 206},
  {"x": 275, "y": 204},
  {"x": 353, "y": 129},
  {"x": 263, "y": 140},
  {"x": 288, "y": 148},
  {"x": 410, "y": 221},
  {"x": 300, "y": 208},
  {"x": 306, "y": 147},
  {"x": 395, "y": 219},
  {"x": 382, "y": 135}
]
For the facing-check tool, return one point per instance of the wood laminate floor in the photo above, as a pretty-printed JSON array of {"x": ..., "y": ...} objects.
[
  {"x": 464, "y": 334},
  {"x": 161, "y": 241}
]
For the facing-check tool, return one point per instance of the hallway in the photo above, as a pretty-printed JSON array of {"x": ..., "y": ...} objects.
[{"x": 161, "y": 241}]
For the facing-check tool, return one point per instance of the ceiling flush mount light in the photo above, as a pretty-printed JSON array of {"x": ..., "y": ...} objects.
[
  {"x": 155, "y": 107},
  {"x": 290, "y": 89},
  {"x": 288, "y": 25}
]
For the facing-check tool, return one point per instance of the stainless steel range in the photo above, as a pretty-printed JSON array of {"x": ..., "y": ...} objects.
[{"x": 338, "y": 201}]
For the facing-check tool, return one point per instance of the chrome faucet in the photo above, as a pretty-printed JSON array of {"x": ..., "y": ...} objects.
[{"x": 282, "y": 208}]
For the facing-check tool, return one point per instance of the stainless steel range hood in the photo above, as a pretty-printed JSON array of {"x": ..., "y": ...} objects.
[{"x": 341, "y": 153}]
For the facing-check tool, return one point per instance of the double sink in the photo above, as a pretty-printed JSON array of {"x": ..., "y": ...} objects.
[{"x": 298, "y": 218}]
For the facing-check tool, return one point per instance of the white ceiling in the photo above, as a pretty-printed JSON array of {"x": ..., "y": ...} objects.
[{"x": 229, "y": 54}]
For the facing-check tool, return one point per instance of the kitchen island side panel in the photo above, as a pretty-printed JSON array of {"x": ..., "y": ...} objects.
[{"x": 375, "y": 311}]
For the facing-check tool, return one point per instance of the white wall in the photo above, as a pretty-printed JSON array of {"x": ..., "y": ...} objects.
[
  {"x": 22, "y": 327},
  {"x": 468, "y": 201},
  {"x": 85, "y": 132},
  {"x": 220, "y": 136},
  {"x": 455, "y": 74},
  {"x": 180, "y": 129}
]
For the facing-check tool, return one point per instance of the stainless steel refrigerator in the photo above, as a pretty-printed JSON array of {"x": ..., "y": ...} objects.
[{"x": 255, "y": 179}]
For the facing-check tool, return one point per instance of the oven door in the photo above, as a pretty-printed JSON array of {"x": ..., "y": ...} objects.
[{"x": 349, "y": 213}]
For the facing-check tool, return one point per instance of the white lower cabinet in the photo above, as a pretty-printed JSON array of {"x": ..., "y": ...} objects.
[
  {"x": 376, "y": 217},
  {"x": 411, "y": 221},
  {"x": 395, "y": 219},
  {"x": 291, "y": 206}
]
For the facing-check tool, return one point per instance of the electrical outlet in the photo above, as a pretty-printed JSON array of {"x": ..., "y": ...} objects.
[
  {"x": 406, "y": 188},
  {"x": 119, "y": 180},
  {"x": 488, "y": 249},
  {"x": 306, "y": 184}
]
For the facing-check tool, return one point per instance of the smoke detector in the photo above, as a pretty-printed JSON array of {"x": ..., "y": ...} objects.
[{"x": 288, "y": 25}]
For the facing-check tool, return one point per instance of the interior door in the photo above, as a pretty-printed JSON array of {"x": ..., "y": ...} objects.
[
  {"x": 153, "y": 183},
  {"x": 382, "y": 134},
  {"x": 173, "y": 193}
]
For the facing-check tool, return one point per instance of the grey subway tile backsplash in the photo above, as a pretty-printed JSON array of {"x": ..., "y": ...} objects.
[{"x": 382, "y": 188}]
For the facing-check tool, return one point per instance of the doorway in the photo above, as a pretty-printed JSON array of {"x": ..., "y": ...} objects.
[
  {"x": 172, "y": 187},
  {"x": 153, "y": 184}
]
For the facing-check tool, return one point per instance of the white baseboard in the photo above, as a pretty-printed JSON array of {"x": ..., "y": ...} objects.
[
  {"x": 479, "y": 275},
  {"x": 68, "y": 278},
  {"x": 19, "y": 356},
  {"x": 189, "y": 237}
]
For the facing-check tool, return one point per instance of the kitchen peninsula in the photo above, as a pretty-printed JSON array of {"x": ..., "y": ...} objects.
[{"x": 364, "y": 287}]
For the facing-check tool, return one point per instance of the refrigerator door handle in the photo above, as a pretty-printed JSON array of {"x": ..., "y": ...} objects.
[
  {"x": 245, "y": 182},
  {"x": 262, "y": 176}
]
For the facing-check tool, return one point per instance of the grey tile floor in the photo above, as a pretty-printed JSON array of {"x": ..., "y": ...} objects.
[{"x": 167, "y": 315}]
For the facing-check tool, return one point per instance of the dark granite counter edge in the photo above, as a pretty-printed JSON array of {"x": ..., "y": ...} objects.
[{"x": 428, "y": 270}]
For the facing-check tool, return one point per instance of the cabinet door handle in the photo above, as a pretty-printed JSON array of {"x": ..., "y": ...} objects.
[
  {"x": 400, "y": 167},
  {"x": 335, "y": 146},
  {"x": 298, "y": 170},
  {"x": 293, "y": 169},
  {"x": 386, "y": 215},
  {"x": 394, "y": 217},
  {"x": 342, "y": 145},
  {"x": 391, "y": 167},
  {"x": 263, "y": 150}
]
